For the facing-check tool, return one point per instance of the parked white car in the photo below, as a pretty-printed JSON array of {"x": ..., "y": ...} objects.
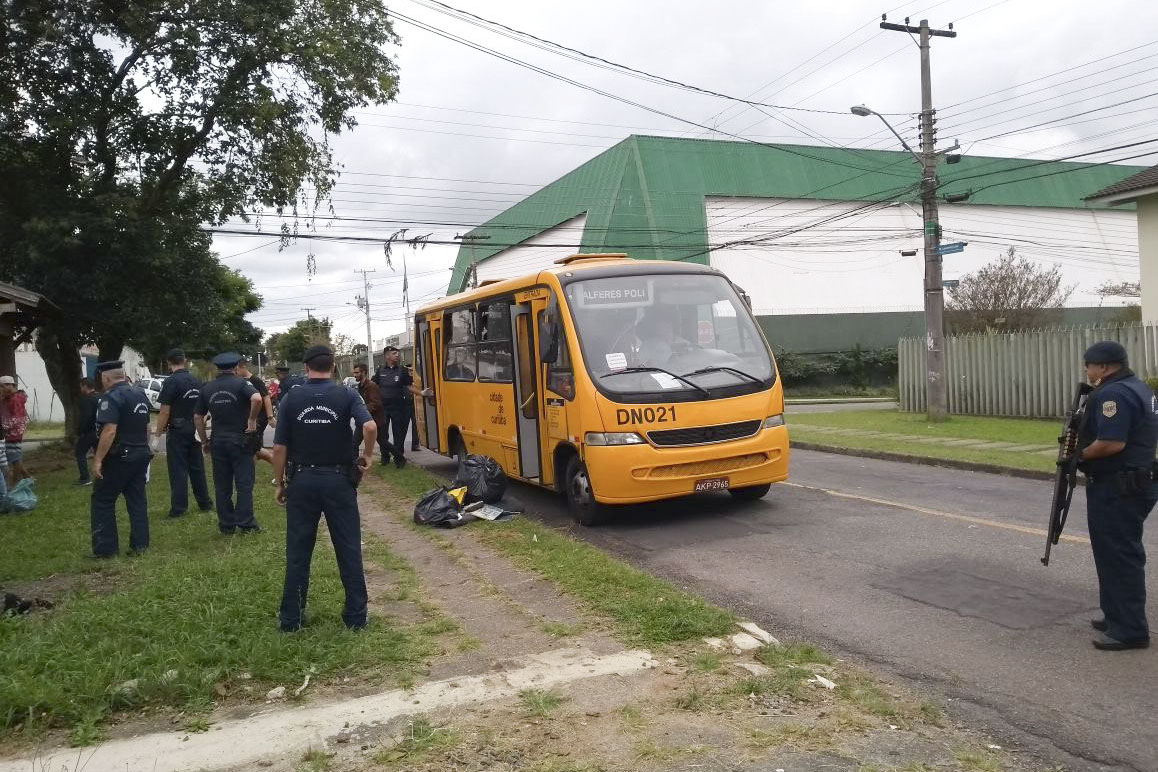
[{"x": 152, "y": 387}]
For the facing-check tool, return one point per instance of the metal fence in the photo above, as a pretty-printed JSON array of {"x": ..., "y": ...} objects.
[{"x": 1029, "y": 374}]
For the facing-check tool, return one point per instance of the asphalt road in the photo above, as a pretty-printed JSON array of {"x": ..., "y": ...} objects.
[{"x": 930, "y": 575}]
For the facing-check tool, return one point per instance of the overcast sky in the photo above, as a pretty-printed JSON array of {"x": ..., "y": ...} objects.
[{"x": 471, "y": 134}]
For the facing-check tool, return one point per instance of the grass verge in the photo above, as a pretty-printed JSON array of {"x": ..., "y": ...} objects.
[
  {"x": 645, "y": 610},
  {"x": 44, "y": 430},
  {"x": 190, "y": 624},
  {"x": 1021, "y": 431}
]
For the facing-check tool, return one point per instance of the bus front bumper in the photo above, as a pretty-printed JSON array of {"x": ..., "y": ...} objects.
[{"x": 631, "y": 474}]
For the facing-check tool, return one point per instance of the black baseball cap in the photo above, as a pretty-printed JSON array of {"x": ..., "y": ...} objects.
[
  {"x": 1106, "y": 352},
  {"x": 316, "y": 351}
]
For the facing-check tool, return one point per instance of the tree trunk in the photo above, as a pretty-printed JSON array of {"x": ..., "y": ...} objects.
[
  {"x": 62, "y": 362},
  {"x": 110, "y": 348}
]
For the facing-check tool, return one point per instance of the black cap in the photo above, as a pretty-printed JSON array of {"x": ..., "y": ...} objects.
[
  {"x": 390, "y": 348},
  {"x": 283, "y": 368},
  {"x": 112, "y": 364},
  {"x": 227, "y": 360},
  {"x": 316, "y": 351},
  {"x": 1106, "y": 352},
  {"x": 175, "y": 355}
]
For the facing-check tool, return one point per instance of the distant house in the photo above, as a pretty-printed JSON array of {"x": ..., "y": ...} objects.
[
  {"x": 21, "y": 311},
  {"x": 1140, "y": 189}
]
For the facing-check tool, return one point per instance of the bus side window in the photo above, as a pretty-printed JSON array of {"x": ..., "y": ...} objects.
[
  {"x": 495, "y": 359},
  {"x": 460, "y": 362},
  {"x": 560, "y": 375}
]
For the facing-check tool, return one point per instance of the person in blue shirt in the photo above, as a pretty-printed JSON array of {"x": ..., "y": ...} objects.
[
  {"x": 285, "y": 382},
  {"x": 121, "y": 463},
  {"x": 178, "y": 398},
  {"x": 1118, "y": 438},
  {"x": 316, "y": 473},
  {"x": 232, "y": 403}
]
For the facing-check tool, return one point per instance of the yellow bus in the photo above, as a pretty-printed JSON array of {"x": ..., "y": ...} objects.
[{"x": 610, "y": 380}]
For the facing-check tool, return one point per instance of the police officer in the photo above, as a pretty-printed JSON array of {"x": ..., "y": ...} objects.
[
  {"x": 178, "y": 398},
  {"x": 313, "y": 449},
  {"x": 232, "y": 403},
  {"x": 394, "y": 384},
  {"x": 285, "y": 382},
  {"x": 121, "y": 463},
  {"x": 86, "y": 436},
  {"x": 1118, "y": 438},
  {"x": 265, "y": 416}
]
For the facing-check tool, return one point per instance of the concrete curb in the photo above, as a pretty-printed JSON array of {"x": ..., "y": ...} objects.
[
  {"x": 947, "y": 463},
  {"x": 839, "y": 401}
]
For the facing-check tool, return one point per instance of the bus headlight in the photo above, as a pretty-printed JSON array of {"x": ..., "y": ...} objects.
[
  {"x": 613, "y": 438},
  {"x": 773, "y": 421}
]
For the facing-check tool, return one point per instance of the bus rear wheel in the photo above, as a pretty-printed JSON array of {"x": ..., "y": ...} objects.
[
  {"x": 750, "y": 492},
  {"x": 580, "y": 498}
]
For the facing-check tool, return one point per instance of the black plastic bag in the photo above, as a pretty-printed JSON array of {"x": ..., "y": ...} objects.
[
  {"x": 483, "y": 479},
  {"x": 438, "y": 508}
]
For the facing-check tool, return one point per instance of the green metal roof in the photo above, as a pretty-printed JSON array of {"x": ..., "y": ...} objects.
[{"x": 645, "y": 195}]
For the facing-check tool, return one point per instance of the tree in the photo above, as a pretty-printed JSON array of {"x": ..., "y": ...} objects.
[
  {"x": 1010, "y": 293},
  {"x": 290, "y": 346},
  {"x": 126, "y": 127},
  {"x": 1123, "y": 289}
]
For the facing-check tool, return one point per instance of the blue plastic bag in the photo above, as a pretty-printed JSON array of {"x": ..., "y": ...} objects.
[{"x": 22, "y": 497}]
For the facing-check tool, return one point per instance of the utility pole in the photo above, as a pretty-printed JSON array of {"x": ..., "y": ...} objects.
[
  {"x": 472, "y": 272},
  {"x": 936, "y": 391},
  {"x": 311, "y": 326},
  {"x": 364, "y": 304}
]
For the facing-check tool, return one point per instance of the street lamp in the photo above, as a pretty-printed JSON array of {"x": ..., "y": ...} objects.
[{"x": 936, "y": 393}]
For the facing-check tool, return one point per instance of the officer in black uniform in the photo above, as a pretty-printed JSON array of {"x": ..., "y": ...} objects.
[
  {"x": 86, "y": 433},
  {"x": 316, "y": 472},
  {"x": 232, "y": 403},
  {"x": 285, "y": 382},
  {"x": 1118, "y": 439},
  {"x": 121, "y": 463},
  {"x": 394, "y": 384},
  {"x": 179, "y": 395}
]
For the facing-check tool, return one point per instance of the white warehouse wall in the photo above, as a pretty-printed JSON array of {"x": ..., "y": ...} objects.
[
  {"x": 853, "y": 263},
  {"x": 43, "y": 404},
  {"x": 531, "y": 256}
]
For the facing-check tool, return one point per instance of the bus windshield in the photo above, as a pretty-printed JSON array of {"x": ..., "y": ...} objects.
[{"x": 668, "y": 334}]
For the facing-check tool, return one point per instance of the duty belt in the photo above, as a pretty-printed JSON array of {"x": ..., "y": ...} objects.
[{"x": 335, "y": 468}]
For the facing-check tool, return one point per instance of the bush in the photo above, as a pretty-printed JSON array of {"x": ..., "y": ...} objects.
[
  {"x": 859, "y": 368},
  {"x": 1153, "y": 384}
]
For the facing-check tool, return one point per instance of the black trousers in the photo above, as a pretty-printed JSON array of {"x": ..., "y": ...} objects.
[
  {"x": 186, "y": 468},
  {"x": 233, "y": 466},
  {"x": 81, "y": 448},
  {"x": 392, "y": 434},
  {"x": 1115, "y": 524},
  {"x": 312, "y": 493},
  {"x": 123, "y": 474}
]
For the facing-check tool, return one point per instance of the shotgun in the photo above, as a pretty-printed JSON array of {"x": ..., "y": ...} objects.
[{"x": 1067, "y": 468}]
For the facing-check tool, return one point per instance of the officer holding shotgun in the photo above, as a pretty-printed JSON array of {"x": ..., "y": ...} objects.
[{"x": 1117, "y": 443}]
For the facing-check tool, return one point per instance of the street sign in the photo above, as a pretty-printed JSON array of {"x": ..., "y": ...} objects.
[{"x": 951, "y": 248}]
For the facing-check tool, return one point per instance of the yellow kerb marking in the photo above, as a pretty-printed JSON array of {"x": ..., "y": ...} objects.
[{"x": 938, "y": 513}]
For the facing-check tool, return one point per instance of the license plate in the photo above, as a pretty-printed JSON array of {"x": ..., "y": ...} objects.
[{"x": 714, "y": 484}]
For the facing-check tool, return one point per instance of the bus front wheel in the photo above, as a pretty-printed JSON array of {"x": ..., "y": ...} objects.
[
  {"x": 580, "y": 498},
  {"x": 750, "y": 492}
]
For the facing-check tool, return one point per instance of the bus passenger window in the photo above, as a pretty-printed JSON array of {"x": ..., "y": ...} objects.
[
  {"x": 460, "y": 345},
  {"x": 495, "y": 360}
]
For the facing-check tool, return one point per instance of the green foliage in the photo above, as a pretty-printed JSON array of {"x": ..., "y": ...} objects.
[
  {"x": 1153, "y": 384},
  {"x": 289, "y": 346},
  {"x": 126, "y": 127},
  {"x": 539, "y": 703},
  {"x": 858, "y": 368}
]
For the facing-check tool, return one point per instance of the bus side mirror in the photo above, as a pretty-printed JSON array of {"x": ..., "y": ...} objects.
[
  {"x": 548, "y": 340},
  {"x": 745, "y": 296},
  {"x": 549, "y": 333}
]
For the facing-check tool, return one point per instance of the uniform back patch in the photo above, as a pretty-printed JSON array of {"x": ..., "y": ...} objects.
[{"x": 1109, "y": 408}]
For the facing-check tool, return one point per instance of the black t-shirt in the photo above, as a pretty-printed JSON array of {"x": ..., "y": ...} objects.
[
  {"x": 314, "y": 423},
  {"x": 394, "y": 383},
  {"x": 86, "y": 413},
  {"x": 180, "y": 391},
  {"x": 127, "y": 407},
  {"x": 259, "y": 386},
  {"x": 226, "y": 399}
]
